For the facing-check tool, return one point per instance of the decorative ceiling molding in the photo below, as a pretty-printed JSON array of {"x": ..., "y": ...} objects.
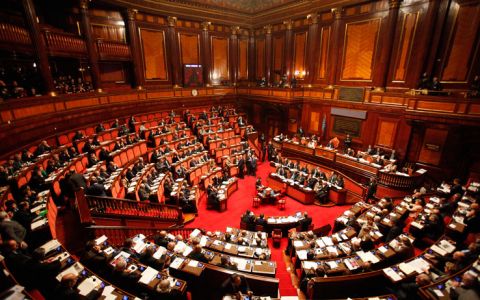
[{"x": 243, "y": 13}]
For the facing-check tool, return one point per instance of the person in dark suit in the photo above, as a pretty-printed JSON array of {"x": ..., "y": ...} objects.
[
  {"x": 16, "y": 261},
  {"x": 456, "y": 188},
  {"x": 197, "y": 254},
  {"x": 305, "y": 222},
  {"x": 241, "y": 166},
  {"x": 372, "y": 189},
  {"x": 120, "y": 276},
  {"x": 43, "y": 272},
  {"x": 93, "y": 257},
  {"x": 23, "y": 215},
  {"x": 12, "y": 230},
  {"x": 161, "y": 238},
  {"x": 147, "y": 258},
  {"x": 236, "y": 285},
  {"x": 96, "y": 188},
  {"x": 164, "y": 291},
  {"x": 226, "y": 263},
  {"x": 99, "y": 128},
  {"x": 261, "y": 220},
  {"x": 396, "y": 229},
  {"x": 76, "y": 181},
  {"x": 66, "y": 290}
]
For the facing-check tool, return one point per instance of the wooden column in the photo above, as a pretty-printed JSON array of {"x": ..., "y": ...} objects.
[
  {"x": 134, "y": 40},
  {"x": 312, "y": 46},
  {"x": 335, "y": 41},
  {"x": 39, "y": 47},
  {"x": 206, "y": 53},
  {"x": 288, "y": 50},
  {"x": 381, "y": 72},
  {"x": 428, "y": 45},
  {"x": 233, "y": 49},
  {"x": 251, "y": 58},
  {"x": 175, "y": 67},
  {"x": 268, "y": 54},
  {"x": 91, "y": 46}
]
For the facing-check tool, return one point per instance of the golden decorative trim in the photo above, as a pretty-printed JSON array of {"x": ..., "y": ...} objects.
[
  {"x": 313, "y": 18},
  {"x": 337, "y": 13},
  {"x": 394, "y": 3},
  {"x": 288, "y": 24},
  {"x": 268, "y": 29},
  {"x": 131, "y": 13},
  {"x": 206, "y": 25},
  {"x": 235, "y": 30},
  {"x": 84, "y": 4},
  {"x": 172, "y": 21}
]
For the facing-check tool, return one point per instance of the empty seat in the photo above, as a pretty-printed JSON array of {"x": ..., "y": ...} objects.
[
  {"x": 256, "y": 202},
  {"x": 276, "y": 237}
]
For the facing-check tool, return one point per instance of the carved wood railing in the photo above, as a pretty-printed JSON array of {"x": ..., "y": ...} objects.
[
  {"x": 117, "y": 234},
  {"x": 10, "y": 33},
  {"x": 113, "y": 207},
  {"x": 113, "y": 50},
  {"x": 64, "y": 43},
  {"x": 399, "y": 181}
]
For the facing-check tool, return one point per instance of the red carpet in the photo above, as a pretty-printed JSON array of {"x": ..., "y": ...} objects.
[{"x": 241, "y": 200}]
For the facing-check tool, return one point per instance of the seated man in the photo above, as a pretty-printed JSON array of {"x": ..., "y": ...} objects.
[
  {"x": 236, "y": 285},
  {"x": 321, "y": 191},
  {"x": 212, "y": 197}
]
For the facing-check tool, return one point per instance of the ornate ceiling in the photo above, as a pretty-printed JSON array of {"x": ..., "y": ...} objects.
[{"x": 244, "y": 6}]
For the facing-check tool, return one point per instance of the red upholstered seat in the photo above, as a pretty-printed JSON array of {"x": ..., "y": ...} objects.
[
  {"x": 281, "y": 203},
  {"x": 256, "y": 202},
  {"x": 277, "y": 237}
]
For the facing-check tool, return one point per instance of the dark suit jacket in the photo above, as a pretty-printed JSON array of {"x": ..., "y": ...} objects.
[{"x": 12, "y": 230}]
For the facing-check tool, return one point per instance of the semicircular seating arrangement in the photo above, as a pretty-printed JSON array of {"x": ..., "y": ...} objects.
[{"x": 130, "y": 193}]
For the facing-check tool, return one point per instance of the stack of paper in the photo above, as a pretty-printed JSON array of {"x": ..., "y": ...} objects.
[
  {"x": 88, "y": 285},
  {"x": 148, "y": 275}
]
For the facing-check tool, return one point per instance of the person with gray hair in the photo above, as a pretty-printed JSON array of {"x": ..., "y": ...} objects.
[{"x": 12, "y": 230}]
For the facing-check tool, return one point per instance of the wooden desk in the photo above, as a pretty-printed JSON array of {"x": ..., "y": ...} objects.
[
  {"x": 353, "y": 163},
  {"x": 294, "y": 191},
  {"x": 325, "y": 153},
  {"x": 337, "y": 196}
]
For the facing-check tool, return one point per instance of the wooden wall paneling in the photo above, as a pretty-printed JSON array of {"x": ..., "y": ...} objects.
[
  {"x": 433, "y": 146},
  {"x": 136, "y": 53},
  {"x": 278, "y": 57},
  {"x": 109, "y": 32},
  {"x": 386, "y": 132},
  {"x": 293, "y": 119},
  {"x": 268, "y": 54},
  {"x": 260, "y": 58},
  {"x": 173, "y": 52},
  {"x": 233, "y": 55},
  {"x": 300, "y": 43},
  {"x": 189, "y": 45},
  {"x": 252, "y": 55},
  {"x": 154, "y": 54},
  {"x": 91, "y": 45},
  {"x": 405, "y": 38},
  {"x": 315, "y": 122},
  {"x": 38, "y": 44},
  {"x": 460, "y": 44},
  {"x": 386, "y": 39},
  {"x": 424, "y": 49},
  {"x": 243, "y": 59},
  {"x": 439, "y": 14},
  {"x": 289, "y": 49},
  {"x": 113, "y": 72},
  {"x": 312, "y": 47},
  {"x": 334, "y": 46},
  {"x": 220, "y": 59},
  {"x": 206, "y": 53},
  {"x": 360, "y": 44},
  {"x": 323, "y": 53}
]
